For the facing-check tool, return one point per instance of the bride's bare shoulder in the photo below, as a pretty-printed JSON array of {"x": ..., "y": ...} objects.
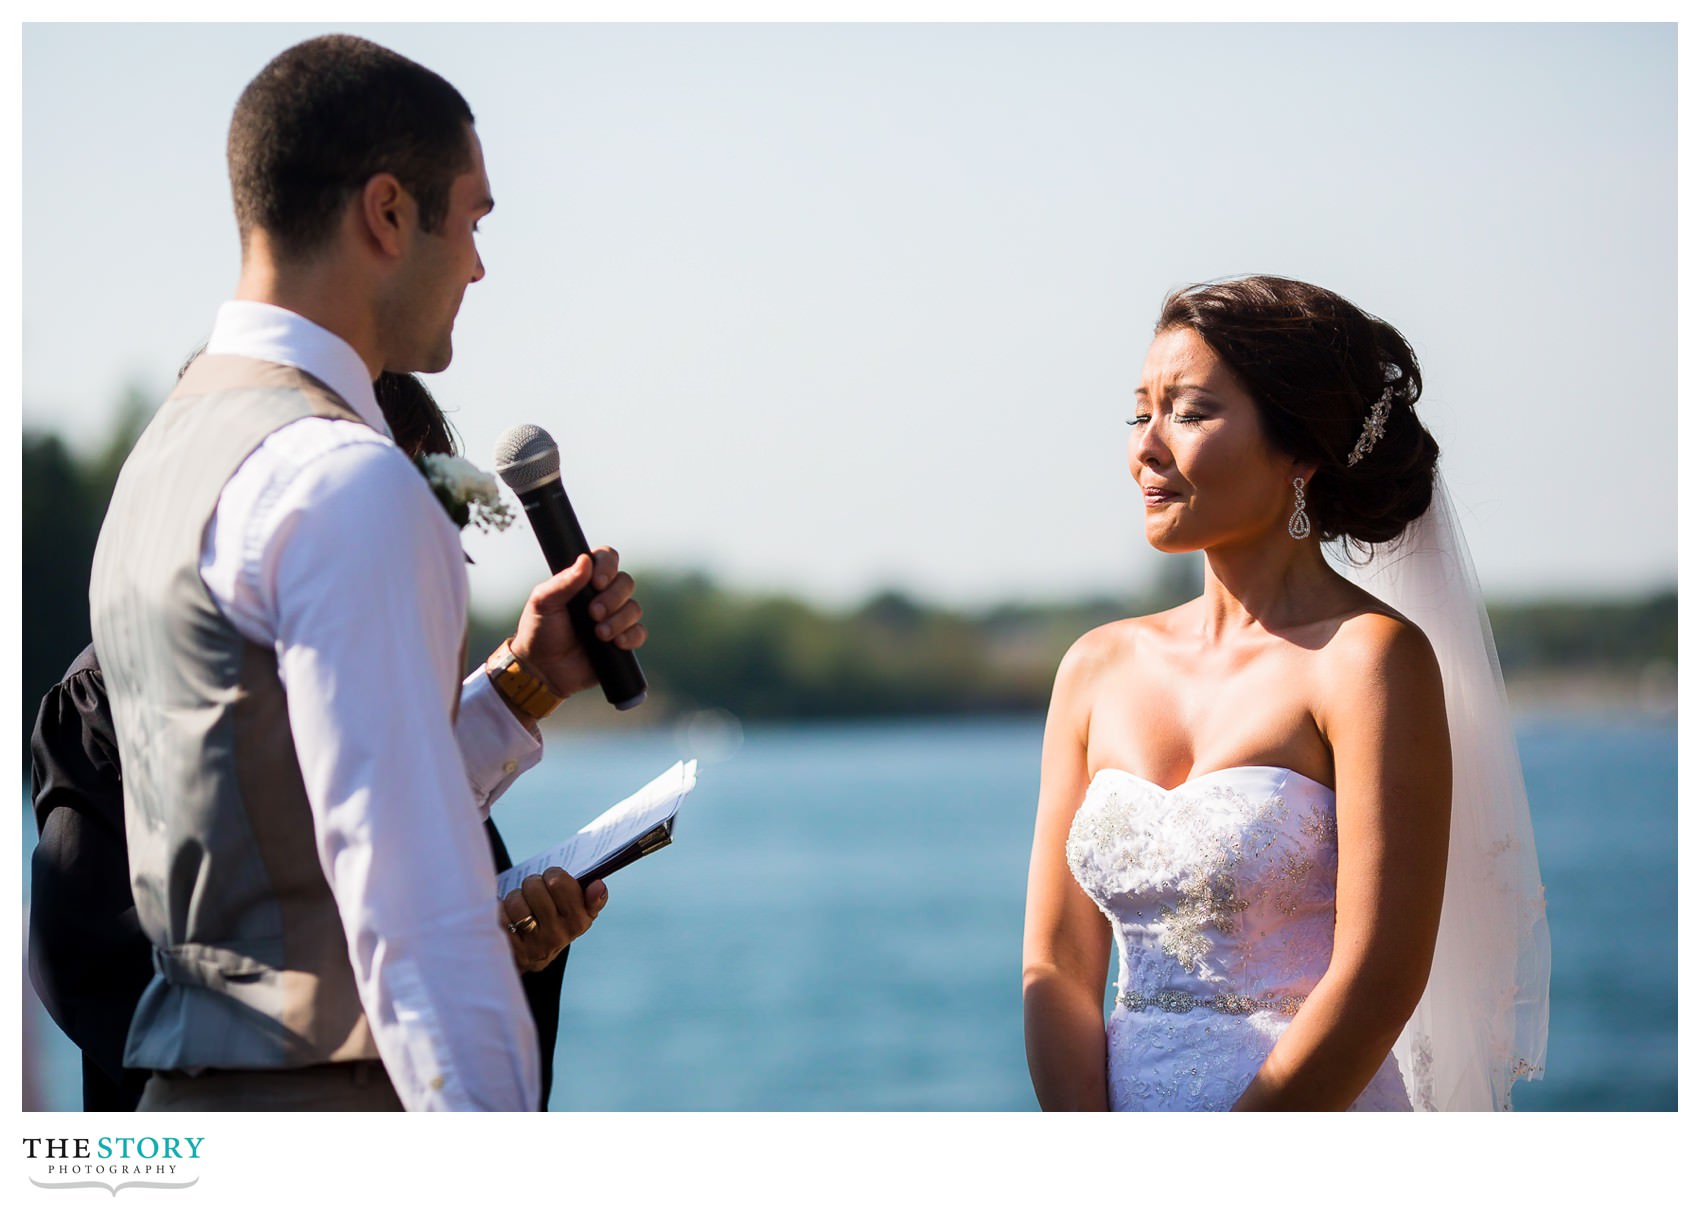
[
  {"x": 1373, "y": 641},
  {"x": 1113, "y": 646}
]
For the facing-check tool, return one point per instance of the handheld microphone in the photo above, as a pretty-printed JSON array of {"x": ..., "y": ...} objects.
[{"x": 529, "y": 462}]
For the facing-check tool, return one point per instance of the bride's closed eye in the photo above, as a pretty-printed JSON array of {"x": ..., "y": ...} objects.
[{"x": 1180, "y": 418}]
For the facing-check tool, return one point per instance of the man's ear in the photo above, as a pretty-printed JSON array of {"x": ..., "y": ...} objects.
[{"x": 387, "y": 213}]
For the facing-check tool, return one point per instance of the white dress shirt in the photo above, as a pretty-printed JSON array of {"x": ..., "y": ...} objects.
[{"x": 328, "y": 546}]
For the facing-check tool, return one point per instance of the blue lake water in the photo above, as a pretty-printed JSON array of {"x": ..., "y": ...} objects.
[{"x": 838, "y": 925}]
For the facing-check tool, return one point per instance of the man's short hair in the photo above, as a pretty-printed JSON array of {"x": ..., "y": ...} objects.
[{"x": 322, "y": 119}]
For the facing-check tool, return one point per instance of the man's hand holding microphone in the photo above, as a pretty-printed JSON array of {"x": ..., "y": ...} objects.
[{"x": 579, "y": 628}]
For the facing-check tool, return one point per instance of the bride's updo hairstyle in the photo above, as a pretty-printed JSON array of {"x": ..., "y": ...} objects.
[{"x": 1316, "y": 365}]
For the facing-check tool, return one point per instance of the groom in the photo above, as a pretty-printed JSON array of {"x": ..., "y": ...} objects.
[{"x": 279, "y": 602}]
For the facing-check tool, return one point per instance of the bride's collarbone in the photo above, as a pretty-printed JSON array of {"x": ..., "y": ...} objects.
[{"x": 1170, "y": 733}]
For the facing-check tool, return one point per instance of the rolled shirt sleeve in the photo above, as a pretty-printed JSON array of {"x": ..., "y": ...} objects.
[{"x": 496, "y": 747}]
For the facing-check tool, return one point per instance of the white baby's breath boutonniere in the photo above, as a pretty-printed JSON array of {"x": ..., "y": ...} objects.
[{"x": 469, "y": 494}]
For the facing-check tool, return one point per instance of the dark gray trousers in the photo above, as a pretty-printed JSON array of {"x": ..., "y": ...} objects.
[{"x": 353, "y": 1086}]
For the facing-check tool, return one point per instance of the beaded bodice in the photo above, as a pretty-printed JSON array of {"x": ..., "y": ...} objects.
[
  {"x": 1220, "y": 893},
  {"x": 1220, "y": 890}
]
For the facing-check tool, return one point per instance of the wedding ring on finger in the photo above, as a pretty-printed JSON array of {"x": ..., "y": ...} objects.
[{"x": 523, "y": 926}]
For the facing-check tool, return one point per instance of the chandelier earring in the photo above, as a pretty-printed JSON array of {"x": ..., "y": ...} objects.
[{"x": 1298, "y": 526}]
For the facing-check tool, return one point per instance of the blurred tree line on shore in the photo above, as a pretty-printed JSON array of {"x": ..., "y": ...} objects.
[{"x": 770, "y": 655}]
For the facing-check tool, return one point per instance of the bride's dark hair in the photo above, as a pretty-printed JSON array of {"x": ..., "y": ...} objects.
[
  {"x": 416, "y": 419},
  {"x": 1314, "y": 364}
]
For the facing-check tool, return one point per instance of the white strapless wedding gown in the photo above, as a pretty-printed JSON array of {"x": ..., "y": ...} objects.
[{"x": 1221, "y": 896}]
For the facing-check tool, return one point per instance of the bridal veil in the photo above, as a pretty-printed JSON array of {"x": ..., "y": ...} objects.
[{"x": 1482, "y": 1021}]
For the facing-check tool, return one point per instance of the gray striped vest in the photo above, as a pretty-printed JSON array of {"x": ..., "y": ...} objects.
[{"x": 251, "y": 968}]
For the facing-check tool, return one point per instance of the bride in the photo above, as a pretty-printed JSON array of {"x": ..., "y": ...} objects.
[{"x": 1293, "y": 803}]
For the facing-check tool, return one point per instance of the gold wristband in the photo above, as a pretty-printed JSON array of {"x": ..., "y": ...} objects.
[{"x": 520, "y": 683}]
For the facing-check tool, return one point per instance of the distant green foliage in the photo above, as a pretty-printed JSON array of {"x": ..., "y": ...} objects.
[
  {"x": 1598, "y": 635},
  {"x": 64, "y": 501},
  {"x": 772, "y": 655},
  {"x": 61, "y": 517},
  {"x": 768, "y": 656}
]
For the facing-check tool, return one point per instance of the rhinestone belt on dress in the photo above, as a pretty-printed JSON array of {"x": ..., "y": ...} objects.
[{"x": 1179, "y": 1002}]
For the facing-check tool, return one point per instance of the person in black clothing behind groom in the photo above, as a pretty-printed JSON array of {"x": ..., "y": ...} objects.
[{"x": 88, "y": 958}]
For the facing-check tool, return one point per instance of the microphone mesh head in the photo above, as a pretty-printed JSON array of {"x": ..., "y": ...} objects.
[{"x": 526, "y": 457}]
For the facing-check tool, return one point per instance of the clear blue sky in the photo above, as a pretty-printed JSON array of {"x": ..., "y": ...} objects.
[{"x": 831, "y": 308}]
